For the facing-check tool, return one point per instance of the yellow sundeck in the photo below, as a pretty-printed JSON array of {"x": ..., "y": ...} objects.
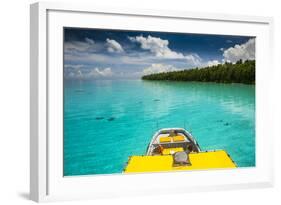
[{"x": 175, "y": 149}]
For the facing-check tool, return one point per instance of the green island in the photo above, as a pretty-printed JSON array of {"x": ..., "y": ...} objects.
[{"x": 239, "y": 72}]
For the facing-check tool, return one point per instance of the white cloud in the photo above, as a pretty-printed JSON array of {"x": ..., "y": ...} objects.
[
  {"x": 156, "y": 46},
  {"x": 213, "y": 63},
  {"x": 160, "y": 48},
  {"x": 73, "y": 74},
  {"x": 73, "y": 71},
  {"x": 76, "y": 46},
  {"x": 194, "y": 59},
  {"x": 96, "y": 72},
  {"x": 158, "y": 68},
  {"x": 90, "y": 41},
  {"x": 79, "y": 45},
  {"x": 81, "y": 72},
  {"x": 88, "y": 58},
  {"x": 244, "y": 51},
  {"x": 113, "y": 46},
  {"x": 67, "y": 66}
]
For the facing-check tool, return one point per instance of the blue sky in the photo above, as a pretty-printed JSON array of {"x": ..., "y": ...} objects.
[{"x": 115, "y": 54}]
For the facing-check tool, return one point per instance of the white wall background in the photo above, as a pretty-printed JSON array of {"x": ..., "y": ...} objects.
[{"x": 14, "y": 101}]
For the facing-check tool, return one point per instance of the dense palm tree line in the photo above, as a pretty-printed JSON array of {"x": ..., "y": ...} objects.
[{"x": 240, "y": 72}]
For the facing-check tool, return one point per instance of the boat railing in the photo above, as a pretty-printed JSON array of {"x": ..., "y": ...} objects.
[{"x": 172, "y": 145}]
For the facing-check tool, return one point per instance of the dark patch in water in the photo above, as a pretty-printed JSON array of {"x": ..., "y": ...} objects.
[
  {"x": 219, "y": 120},
  {"x": 156, "y": 100},
  {"x": 226, "y": 124},
  {"x": 111, "y": 119},
  {"x": 79, "y": 90},
  {"x": 99, "y": 118}
]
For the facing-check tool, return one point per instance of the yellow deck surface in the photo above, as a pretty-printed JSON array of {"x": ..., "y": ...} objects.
[
  {"x": 172, "y": 150},
  {"x": 178, "y": 138},
  {"x": 165, "y": 139},
  {"x": 202, "y": 160}
]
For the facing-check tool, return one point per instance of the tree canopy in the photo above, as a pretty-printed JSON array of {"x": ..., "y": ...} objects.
[{"x": 240, "y": 72}]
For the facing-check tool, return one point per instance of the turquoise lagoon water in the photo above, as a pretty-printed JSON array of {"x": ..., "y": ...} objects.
[{"x": 107, "y": 121}]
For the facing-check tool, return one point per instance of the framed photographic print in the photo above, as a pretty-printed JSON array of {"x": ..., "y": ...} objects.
[{"x": 127, "y": 102}]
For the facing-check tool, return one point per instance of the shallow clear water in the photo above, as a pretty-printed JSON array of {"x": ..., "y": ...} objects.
[{"x": 107, "y": 121}]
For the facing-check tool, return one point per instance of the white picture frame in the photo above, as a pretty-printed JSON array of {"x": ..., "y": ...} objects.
[{"x": 46, "y": 179}]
